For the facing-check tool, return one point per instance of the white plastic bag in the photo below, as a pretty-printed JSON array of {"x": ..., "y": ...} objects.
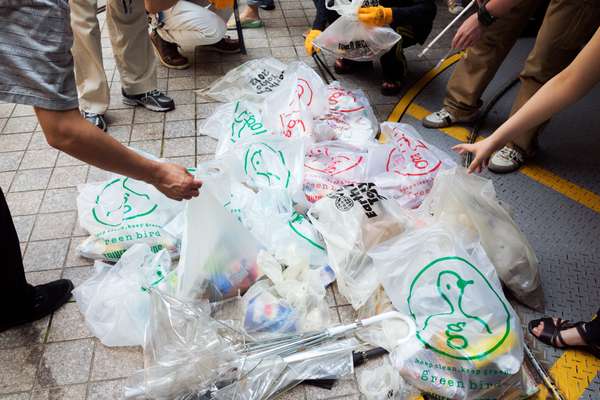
[
  {"x": 331, "y": 165},
  {"x": 405, "y": 168},
  {"x": 469, "y": 342},
  {"x": 234, "y": 122},
  {"x": 350, "y": 117},
  {"x": 115, "y": 302},
  {"x": 273, "y": 163},
  {"x": 468, "y": 204},
  {"x": 352, "y": 220},
  {"x": 349, "y": 38},
  {"x": 252, "y": 81},
  {"x": 218, "y": 255},
  {"x": 300, "y": 97},
  {"x": 121, "y": 212},
  {"x": 384, "y": 383}
]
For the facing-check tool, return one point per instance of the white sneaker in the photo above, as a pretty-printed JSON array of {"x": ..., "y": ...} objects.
[
  {"x": 507, "y": 159},
  {"x": 443, "y": 119}
]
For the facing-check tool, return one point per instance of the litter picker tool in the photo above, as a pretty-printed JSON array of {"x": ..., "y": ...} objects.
[
  {"x": 541, "y": 371},
  {"x": 434, "y": 41}
]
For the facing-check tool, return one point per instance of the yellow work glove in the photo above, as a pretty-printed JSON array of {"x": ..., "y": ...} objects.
[
  {"x": 308, "y": 42},
  {"x": 222, "y": 4},
  {"x": 377, "y": 16}
]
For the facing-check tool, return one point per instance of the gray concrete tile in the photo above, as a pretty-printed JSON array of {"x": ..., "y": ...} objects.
[
  {"x": 181, "y": 97},
  {"x": 48, "y": 254},
  {"x": 290, "y": 5},
  {"x": 144, "y": 116},
  {"x": 96, "y": 174},
  {"x": 39, "y": 159},
  {"x": 23, "y": 203},
  {"x": 186, "y": 161},
  {"x": 6, "y": 109},
  {"x": 342, "y": 387},
  {"x": 22, "y": 110},
  {"x": 54, "y": 226},
  {"x": 297, "y": 393},
  {"x": 120, "y": 132},
  {"x": 65, "y": 363},
  {"x": 70, "y": 176},
  {"x": 65, "y": 160},
  {"x": 78, "y": 275},
  {"x": 68, "y": 324},
  {"x": 23, "y": 226},
  {"x": 57, "y": 200},
  {"x": 10, "y": 161},
  {"x": 14, "y": 142},
  {"x": 277, "y": 32},
  {"x": 256, "y": 43},
  {"x": 208, "y": 70},
  {"x": 179, "y": 147},
  {"x": 40, "y": 277},
  {"x": 31, "y": 179},
  {"x": 15, "y": 396},
  {"x": 181, "y": 112},
  {"x": 20, "y": 125},
  {"x": 175, "y": 129},
  {"x": 298, "y": 21},
  {"x": 106, "y": 390},
  {"x": 180, "y": 73},
  {"x": 147, "y": 131},
  {"x": 283, "y": 41},
  {"x": 19, "y": 366},
  {"x": 205, "y": 110},
  {"x": 73, "y": 258},
  {"x": 116, "y": 362},
  {"x": 347, "y": 314},
  {"x": 286, "y": 52},
  {"x": 70, "y": 392},
  {"x": 203, "y": 158},
  {"x": 24, "y": 335},
  {"x": 38, "y": 142},
  {"x": 294, "y": 13},
  {"x": 182, "y": 83},
  {"x": 120, "y": 117},
  {"x": 6, "y": 179},
  {"x": 206, "y": 145}
]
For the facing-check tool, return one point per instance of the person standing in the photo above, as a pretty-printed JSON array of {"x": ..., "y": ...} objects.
[
  {"x": 488, "y": 36},
  {"x": 128, "y": 29}
]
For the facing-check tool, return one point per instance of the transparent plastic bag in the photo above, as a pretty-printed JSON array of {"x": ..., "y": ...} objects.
[
  {"x": 115, "y": 301},
  {"x": 469, "y": 342},
  {"x": 349, "y": 119},
  {"x": 352, "y": 220},
  {"x": 253, "y": 80},
  {"x": 121, "y": 212},
  {"x": 218, "y": 257},
  {"x": 234, "y": 122},
  {"x": 384, "y": 383},
  {"x": 349, "y": 38},
  {"x": 331, "y": 165},
  {"x": 468, "y": 204}
]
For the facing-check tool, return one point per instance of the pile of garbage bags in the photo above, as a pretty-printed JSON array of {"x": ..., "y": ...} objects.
[{"x": 227, "y": 293}]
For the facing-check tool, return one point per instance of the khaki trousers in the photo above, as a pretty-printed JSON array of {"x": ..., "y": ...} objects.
[
  {"x": 568, "y": 25},
  {"x": 133, "y": 53}
]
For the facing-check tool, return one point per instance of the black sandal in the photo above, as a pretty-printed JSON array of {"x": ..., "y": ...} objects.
[
  {"x": 553, "y": 331},
  {"x": 390, "y": 88},
  {"x": 344, "y": 66}
]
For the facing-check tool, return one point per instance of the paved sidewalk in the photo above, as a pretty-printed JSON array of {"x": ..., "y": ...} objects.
[{"x": 57, "y": 357}]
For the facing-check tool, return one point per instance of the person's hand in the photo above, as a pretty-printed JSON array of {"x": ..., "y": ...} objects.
[
  {"x": 482, "y": 151},
  {"x": 468, "y": 33},
  {"x": 175, "y": 182},
  {"x": 222, "y": 4},
  {"x": 308, "y": 42},
  {"x": 375, "y": 16}
]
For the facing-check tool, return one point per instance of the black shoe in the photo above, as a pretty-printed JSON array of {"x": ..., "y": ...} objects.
[
  {"x": 267, "y": 7},
  {"x": 47, "y": 298},
  {"x": 154, "y": 100},
  {"x": 95, "y": 119}
]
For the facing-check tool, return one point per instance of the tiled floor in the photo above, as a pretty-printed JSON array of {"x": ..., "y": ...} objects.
[{"x": 57, "y": 357}]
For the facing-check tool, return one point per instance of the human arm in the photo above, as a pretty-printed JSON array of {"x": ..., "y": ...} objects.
[
  {"x": 471, "y": 29},
  {"x": 67, "y": 131},
  {"x": 561, "y": 91},
  {"x": 155, "y": 6}
]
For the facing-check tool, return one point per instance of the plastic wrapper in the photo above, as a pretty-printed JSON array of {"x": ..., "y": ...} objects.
[
  {"x": 468, "y": 204},
  {"x": 234, "y": 122},
  {"x": 115, "y": 301},
  {"x": 352, "y": 220},
  {"x": 469, "y": 342},
  {"x": 349, "y": 119},
  {"x": 331, "y": 165},
  {"x": 384, "y": 383},
  {"x": 253, "y": 80},
  {"x": 121, "y": 212},
  {"x": 218, "y": 258},
  {"x": 405, "y": 168},
  {"x": 349, "y": 38}
]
